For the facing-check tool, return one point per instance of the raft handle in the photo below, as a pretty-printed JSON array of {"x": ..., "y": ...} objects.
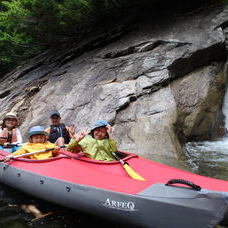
[{"x": 185, "y": 182}]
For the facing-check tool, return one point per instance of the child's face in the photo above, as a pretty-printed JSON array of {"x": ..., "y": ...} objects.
[
  {"x": 10, "y": 123},
  {"x": 38, "y": 139},
  {"x": 100, "y": 133},
  {"x": 55, "y": 120}
]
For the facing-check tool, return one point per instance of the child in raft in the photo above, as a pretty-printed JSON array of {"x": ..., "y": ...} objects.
[
  {"x": 37, "y": 141},
  {"x": 97, "y": 144},
  {"x": 10, "y": 135}
]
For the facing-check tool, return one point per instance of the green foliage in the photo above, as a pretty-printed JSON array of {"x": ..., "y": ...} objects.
[{"x": 29, "y": 26}]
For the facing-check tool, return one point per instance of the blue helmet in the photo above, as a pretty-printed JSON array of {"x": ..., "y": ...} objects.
[
  {"x": 99, "y": 123},
  {"x": 37, "y": 130}
]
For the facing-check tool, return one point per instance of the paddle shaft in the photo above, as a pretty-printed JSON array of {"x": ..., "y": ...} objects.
[
  {"x": 31, "y": 153},
  {"x": 76, "y": 156},
  {"x": 27, "y": 154},
  {"x": 133, "y": 174},
  {"x": 119, "y": 159},
  {"x": 12, "y": 145},
  {"x": 35, "y": 152}
]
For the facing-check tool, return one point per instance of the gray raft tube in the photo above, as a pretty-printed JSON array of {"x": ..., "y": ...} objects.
[{"x": 158, "y": 206}]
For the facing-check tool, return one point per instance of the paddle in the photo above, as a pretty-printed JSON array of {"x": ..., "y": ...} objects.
[
  {"x": 128, "y": 169},
  {"x": 13, "y": 144},
  {"x": 75, "y": 156},
  {"x": 26, "y": 154}
]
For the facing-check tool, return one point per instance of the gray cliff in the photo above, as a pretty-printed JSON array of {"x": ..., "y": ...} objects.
[{"x": 159, "y": 82}]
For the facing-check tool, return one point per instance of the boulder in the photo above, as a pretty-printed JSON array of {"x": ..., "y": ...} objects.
[{"x": 199, "y": 97}]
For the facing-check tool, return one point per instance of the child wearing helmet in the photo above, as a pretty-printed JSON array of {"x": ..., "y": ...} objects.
[
  {"x": 10, "y": 135},
  {"x": 37, "y": 141},
  {"x": 97, "y": 144}
]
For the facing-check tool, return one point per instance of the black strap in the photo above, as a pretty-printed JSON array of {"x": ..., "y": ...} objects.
[
  {"x": 10, "y": 137},
  {"x": 185, "y": 182}
]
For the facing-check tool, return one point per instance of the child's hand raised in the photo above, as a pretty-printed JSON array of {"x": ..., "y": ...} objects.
[
  {"x": 71, "y": 129},
  {"x": 78, "y": 137},
  {"x": 109, "y": 130}
]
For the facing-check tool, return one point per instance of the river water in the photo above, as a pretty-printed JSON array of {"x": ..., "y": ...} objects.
[
  {"x": 210, "y": 158},
  {"x": 12, "y": 216}
]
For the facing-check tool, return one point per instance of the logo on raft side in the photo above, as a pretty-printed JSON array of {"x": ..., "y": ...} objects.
[{"x": 120, "y": 205}]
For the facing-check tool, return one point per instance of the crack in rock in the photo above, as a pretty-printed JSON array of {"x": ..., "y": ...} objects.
[{"x": 142, "y": 47}]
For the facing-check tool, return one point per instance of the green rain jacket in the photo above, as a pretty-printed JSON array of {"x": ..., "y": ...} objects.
[{"x": 95, "y": 149}]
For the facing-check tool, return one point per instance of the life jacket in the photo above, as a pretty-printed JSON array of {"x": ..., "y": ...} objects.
[
  {"x": 59, "y": 131},
  {"x": 11, "y": 136}
]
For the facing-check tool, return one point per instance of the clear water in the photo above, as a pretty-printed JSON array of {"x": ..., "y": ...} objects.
[{"x": 12, "y": 216}]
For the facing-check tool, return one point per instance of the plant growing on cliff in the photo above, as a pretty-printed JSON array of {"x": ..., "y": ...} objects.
[{"x": 29, "y": 26}]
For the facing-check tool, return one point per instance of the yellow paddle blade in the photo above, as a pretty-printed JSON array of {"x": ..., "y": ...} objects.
[{"x": 132, "y": 173}]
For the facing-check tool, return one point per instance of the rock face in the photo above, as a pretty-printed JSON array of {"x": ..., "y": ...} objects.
[
  {"x": 198, "y": 98},
  {"x": 158, "y": 84}
]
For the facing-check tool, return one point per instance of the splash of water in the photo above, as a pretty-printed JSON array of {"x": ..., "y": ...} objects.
[
  {"x": 225, "y": 109},
  {"x": 208, "y": 158}
]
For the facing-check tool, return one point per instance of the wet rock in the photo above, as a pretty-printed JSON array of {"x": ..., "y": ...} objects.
[
  {"x": 199, "y": 98},
  {"x": 148, "y": 125}
]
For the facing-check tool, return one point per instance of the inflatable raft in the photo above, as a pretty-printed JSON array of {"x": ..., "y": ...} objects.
[{"x": 169, "y": 198}]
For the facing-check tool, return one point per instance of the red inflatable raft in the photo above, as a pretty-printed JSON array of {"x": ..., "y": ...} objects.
[{"x": 105, "y": 189}]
